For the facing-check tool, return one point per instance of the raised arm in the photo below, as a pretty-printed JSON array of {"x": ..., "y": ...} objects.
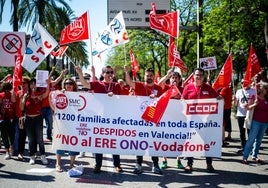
[
  {"x": 60, "y": 77},
  {"x": 163, "y": 80},
  {"x": 81, "y": 78},
  {"x": 128, "y": 79}
]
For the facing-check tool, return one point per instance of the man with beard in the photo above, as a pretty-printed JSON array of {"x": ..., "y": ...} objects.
[
  {"x": 105, "y": 86},
  {"x": 199, "y": 90},
  {"x": 146, "y": 88}
]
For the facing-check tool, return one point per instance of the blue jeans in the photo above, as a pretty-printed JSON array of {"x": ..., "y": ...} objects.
[
  {"x": 47, "y": 115},
  {"x": 256, "y": 134},
  {"x": 34, "y": 131}
]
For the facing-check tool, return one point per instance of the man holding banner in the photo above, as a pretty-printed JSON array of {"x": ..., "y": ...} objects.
[
  {"x": 148, "y": 88},
  {"x": 199, "y": 90},
  {"x": 105, "y": 86}
]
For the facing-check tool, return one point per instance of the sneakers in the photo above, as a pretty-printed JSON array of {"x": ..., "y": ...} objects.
[
  {"x": 32, "y": 160},
  {"x": 244, "y": 161},
  {"x": 44, "y": 160},
  {"x": 97, "y": 170},
  {"x": 137, "y": 169},
  {"x": 225, "y": 144},
  {"x": 179, "y": 165},
  {"x": 81, "y": 155},
  {"x": 210, "y": 168},
  {"x": 164, "y": 165},
  {"x": 258, "y": 160},
  {"x": 188, "y": 169},
  {"x": 20, "y": 157},
  {"x": 156, "y": 170},
  {"x": 7, "y": 157}
]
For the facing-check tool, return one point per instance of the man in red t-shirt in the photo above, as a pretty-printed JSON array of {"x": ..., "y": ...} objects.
[
  {"x": 199, "y": 90},
  {"x": 146, "y": 88},
  {"x": 105, "y": 86}
]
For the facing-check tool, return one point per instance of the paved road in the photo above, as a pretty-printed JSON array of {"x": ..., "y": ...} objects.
[{"x": 230, "y": 172}]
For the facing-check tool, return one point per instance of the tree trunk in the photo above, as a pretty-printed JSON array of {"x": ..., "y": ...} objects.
[{"x": 266, "y": 34}]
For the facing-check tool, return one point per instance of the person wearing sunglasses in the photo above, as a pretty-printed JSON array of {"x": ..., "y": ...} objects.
[
  {"x": 106, "y": 85},
  {"x": 68, "y": 84}
]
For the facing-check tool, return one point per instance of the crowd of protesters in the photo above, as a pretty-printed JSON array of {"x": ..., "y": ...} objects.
[{"x": 23, "y": 112}]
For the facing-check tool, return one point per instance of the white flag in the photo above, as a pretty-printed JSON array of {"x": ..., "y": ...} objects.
[
  {"x": 39, "y": 47},
  {"x": 113, "y": 35}
]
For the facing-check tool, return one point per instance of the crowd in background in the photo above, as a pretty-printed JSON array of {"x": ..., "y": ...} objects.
[{"x": 24, "y": 112}]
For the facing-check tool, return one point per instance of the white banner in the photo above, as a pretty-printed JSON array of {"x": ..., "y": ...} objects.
[
  {"x": 98, "y": 123},
  {"x": 39, "y": 47},
  {"x": 12, "y": 44},
  {"x": 208, "y": 63}
]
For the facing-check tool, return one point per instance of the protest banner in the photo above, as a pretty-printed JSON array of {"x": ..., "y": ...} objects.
[{"x": 98, "y": 123}]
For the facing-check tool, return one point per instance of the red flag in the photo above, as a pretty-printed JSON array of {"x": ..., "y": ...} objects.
[
  {"x": 253, "y": 67},
  {"x": 167, "y": 23},
  {"x": 155, "y": 111},
  {"x": 59, "y": 52},
  {"x": 134, "y": 64},
  {"x": 174, "y": 58},
  {"x": 189, "y": 80},
  {"x": 225, "y": 76},
  {"x": 78, "y": 30},
  {"x": 17, "y": 73}
]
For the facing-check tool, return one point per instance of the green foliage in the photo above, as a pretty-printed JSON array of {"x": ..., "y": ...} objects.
[{"x": 227, "y": 26}]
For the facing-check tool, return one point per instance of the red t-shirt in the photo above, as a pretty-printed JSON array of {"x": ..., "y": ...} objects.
[
  {"x": 45, "y": 102},
  {"x": 205, "y": 91},
  {"x": 8, "y": 108},
  {"x": 33, "y": 106},
  {"x": 104, "y": 87},
  {"x": 141, "y": 89},
  {"x": 261, "y": 111},
  {"x": 125, "y": 90}
]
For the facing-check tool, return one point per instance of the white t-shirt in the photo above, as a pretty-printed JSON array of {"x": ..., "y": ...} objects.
[{"x": 243, "y": 99}]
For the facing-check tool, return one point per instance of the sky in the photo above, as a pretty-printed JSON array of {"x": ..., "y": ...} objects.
[{"x": 98, "y": 21}]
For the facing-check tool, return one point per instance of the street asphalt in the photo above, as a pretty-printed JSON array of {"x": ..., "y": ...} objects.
[{"x": 229, "y": 171}]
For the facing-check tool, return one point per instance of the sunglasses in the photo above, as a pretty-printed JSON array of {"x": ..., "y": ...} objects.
[
  {"x": 68, "y": 83},
  {"x": 109, "y": 72}
]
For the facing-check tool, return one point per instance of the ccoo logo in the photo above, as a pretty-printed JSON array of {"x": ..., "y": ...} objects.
[{"x": 202, "y": 108}]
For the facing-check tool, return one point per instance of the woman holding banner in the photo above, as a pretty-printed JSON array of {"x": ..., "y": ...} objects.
[{"x": 68, "y": 84}]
